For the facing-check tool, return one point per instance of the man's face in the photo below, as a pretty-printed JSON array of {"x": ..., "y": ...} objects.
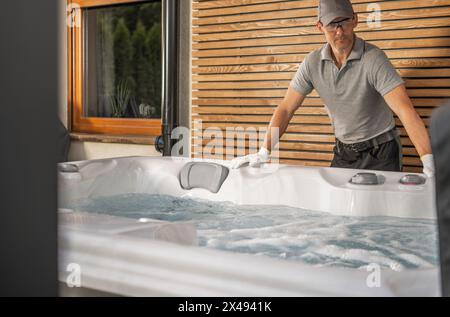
[{"x": 339, "y": 33}]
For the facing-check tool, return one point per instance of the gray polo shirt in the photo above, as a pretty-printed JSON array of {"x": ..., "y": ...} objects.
[{"x": 353, "y": 95}]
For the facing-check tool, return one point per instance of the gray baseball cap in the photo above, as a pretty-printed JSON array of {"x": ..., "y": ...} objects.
[{"x": 332, "y": 9}]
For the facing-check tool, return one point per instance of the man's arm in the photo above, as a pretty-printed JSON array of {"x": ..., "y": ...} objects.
[
  {"x": 283, "y": 114},
  {"x": 401, "y": 105},
  {"x": 280, "y": 119}
]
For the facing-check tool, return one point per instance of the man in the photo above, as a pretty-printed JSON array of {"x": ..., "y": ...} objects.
[{"x": 359, "y": 87}]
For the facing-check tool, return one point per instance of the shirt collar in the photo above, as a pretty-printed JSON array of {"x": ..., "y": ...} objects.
[{"x": 356, "y": 53}]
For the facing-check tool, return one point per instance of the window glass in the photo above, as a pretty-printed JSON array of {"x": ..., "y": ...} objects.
[{"x": 123, "y": 61}]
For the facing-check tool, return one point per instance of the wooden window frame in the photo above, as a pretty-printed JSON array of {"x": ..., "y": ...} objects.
[{"x": 76, "y": 59}]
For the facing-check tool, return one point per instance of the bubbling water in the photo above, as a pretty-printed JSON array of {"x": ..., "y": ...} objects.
[{"x": 312, "y": 237}]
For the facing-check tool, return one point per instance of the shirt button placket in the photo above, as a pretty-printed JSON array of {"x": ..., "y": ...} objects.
[{"x": 337, "y": 82}]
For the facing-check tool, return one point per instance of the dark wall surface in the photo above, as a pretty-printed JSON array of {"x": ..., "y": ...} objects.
[
  {"x": 440, "y": 141},
  {"x": 28, "y": 104}
]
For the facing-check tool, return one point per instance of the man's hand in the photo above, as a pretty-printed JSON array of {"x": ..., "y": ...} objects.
[
  {"x": 254, "y": 160},
  {"x": 428, "y": 164}
]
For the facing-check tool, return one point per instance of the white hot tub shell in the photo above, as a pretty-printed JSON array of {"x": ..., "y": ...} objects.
[{"x": 153, "y": 258}]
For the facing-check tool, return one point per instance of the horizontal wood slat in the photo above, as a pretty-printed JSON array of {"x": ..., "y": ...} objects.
[
  {"x": 224, "y": 8},
  {"x": 261, "y": 127},
  {"x": 438, "y": 92},
  {"x": 204, "y": 137},
  {"x": 250, "y": 72},
  {"x": 291, "y": 145},
  {"x": 400, "y": 10},
  {"x": 439, "y": 82},
  {"x": 311, "y": 33},
  {"x": 313, "y": 152},
  {"x": 213, "y": 42},
  {"x": 296, "y": 119},
  {"x": 407, "y": 169},
  {"x": 308, "y": 25},
  {"x": 261, "y": 77},
  {"x": 304, "y": 155},
  {"x": 424, "y": 112},
  {"x": 245, "y": 53},
  {"x": 394, "y": 49},
  {"x": 211, "y": 4},
  {"x": 309, "y": 101}
]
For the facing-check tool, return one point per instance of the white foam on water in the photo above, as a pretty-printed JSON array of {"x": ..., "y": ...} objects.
[{"x": 294, "y": 234}]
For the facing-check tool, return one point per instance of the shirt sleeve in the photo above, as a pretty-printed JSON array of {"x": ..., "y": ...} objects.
[
  {"x": 384, "y": 76},
  {"x": 302, "y": 80}
]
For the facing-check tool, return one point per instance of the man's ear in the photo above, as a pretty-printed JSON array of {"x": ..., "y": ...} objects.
[
  {"x": 319, "y": 26},
  {"x": 355, "y": 20}
]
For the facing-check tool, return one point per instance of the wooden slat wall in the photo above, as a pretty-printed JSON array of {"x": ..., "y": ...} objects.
[{"x": 245, "y": 53}]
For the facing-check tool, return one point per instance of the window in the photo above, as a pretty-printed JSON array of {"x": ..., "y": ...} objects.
[{"x": 115, "y": 73}]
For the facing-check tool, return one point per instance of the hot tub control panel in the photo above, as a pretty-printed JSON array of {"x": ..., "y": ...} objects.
[
  {"x": 365, "y": 179},
  {"x": 374, "y": 179},
  {"x": 412, "y": 179}
]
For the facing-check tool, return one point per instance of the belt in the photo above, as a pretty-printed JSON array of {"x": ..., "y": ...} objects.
[{"x": 368, "y": 144}]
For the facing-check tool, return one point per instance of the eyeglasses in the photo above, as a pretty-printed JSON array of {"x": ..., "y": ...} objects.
[{"x": 334, "y": 25}]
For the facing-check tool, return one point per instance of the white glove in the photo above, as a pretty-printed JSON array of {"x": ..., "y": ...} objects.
[
  {"x": 428, "y": 164},
  {"x": 254, "y": 160}
]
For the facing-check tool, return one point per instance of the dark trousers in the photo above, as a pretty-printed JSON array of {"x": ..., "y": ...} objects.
[{"x": 384, "y": 157}]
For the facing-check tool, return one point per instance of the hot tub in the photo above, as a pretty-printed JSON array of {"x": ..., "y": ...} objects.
[{"x": 144, "y": 256}]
